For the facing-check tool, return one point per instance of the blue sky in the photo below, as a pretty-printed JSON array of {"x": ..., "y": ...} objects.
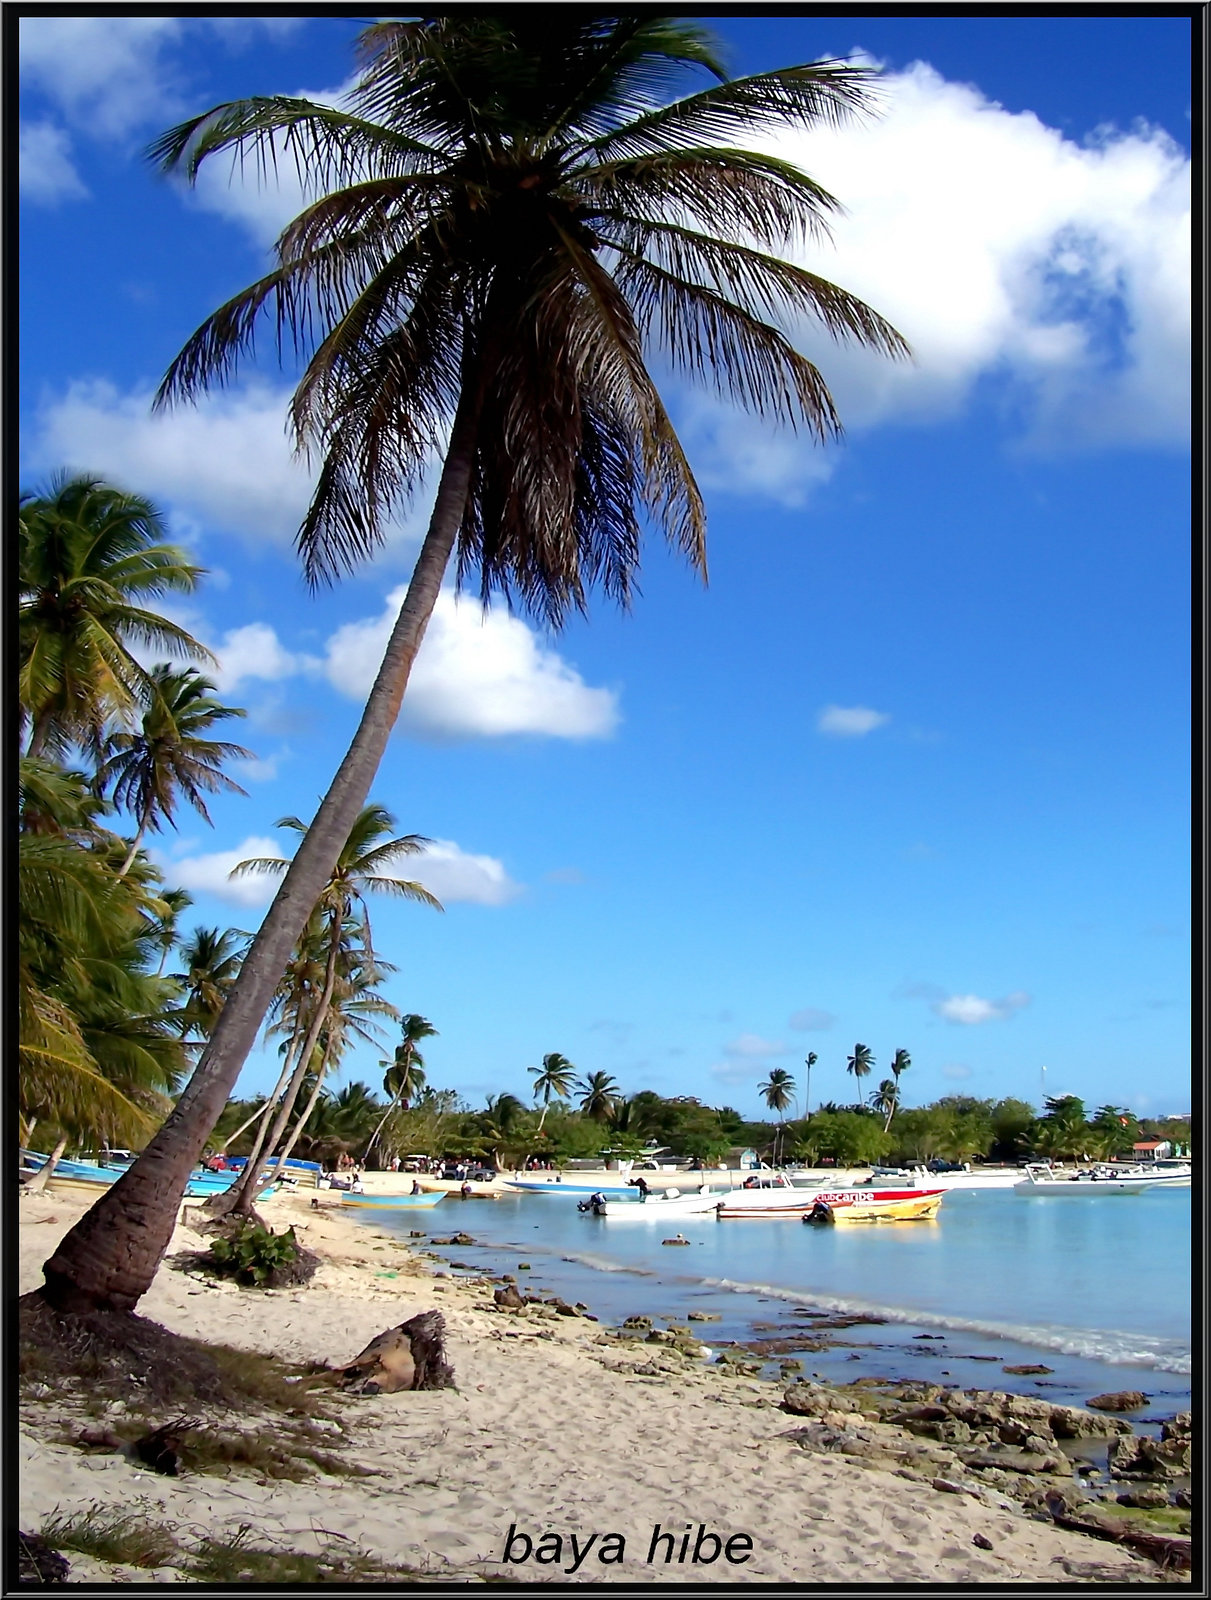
[{"x": 912, "y": 770}]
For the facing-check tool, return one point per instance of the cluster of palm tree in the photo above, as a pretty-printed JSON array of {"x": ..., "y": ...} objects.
[
  {"x": 106, "y": 1036},
  {"x": 512, "y": 210}
]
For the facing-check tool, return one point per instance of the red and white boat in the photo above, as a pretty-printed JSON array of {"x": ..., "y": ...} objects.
[{"x": 776, "y": 1196}]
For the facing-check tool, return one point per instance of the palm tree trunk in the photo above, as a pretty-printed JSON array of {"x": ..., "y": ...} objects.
[
  {"x": 111, "y": 1255},
  {"x": 134, "y": 849},
  {"x": 395, "y": 1099},
  {"x": 243, "y": 1192},
  {"x": 297, "y": 1130},
  {"x": 40, "y": 1179},
  {"x": 263, "y": 1111}
]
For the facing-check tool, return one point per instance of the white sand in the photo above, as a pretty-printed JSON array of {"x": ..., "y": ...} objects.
[{"x": 547, "y": 1430}]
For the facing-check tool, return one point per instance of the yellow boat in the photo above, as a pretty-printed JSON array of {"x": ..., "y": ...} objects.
[{"x": 851, "y": 1205}]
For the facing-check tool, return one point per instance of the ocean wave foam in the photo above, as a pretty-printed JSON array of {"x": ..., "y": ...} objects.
[{"x": 1115, "y": 1347}]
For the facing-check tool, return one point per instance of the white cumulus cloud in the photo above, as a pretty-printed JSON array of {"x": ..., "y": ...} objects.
[
  {"x": 46, "y": 172},
  {"x": 997, "y": 247},
  {"x": 972, "y": 1008},
  {"x": 255, "y": 651},
  {"x": 454, "y": 874},
  {"x": 478, "y": 675},
  {"x": 211, "y": 873},
  {"x": 850, "y": 722},
  {"x": 226, "y": 461}
]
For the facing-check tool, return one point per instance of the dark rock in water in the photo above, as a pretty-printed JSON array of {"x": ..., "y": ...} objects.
[
  {"x": 1177, "y": 1427},
  {"x": 638, "y": 1324},
  {"x": 523, "y": 1266},
  {"x": 975, "y": 1358},
  {"x": 462, "y": 1238},
  {"x": 940, "y": 1336},
  {"x": 703, "y": 1316},
  {"x": 1026, "y": 1371},
  {"x": 37, "y": 1563},
  {"x": 1181, "y": 1499},
  {"x": 1144, "y": 1497},
  {"x": 1157, "y": 1458},
  {"x": 1119, "y": 1400}
]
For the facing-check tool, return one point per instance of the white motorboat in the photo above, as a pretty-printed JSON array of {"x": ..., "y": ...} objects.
[
  {"x": 1042, "y": 1181},
  {"x": 920, "y": 1177},
  {"x": 653, "y": 1206},
  {"x": 1165, "y": 1174}
]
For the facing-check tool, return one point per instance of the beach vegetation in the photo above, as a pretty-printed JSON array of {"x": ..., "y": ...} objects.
[
  {"x": 255, "y": 1255},
  {"x": 128, "y": 1538},
  {"x": 599, "y": 1094},
  {"x": 511, "y": 210}
]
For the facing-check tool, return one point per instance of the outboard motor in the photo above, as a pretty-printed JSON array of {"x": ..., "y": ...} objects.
[
  {"x": 595, "y": 1203},
  {"x": 820, "y": 1215}
]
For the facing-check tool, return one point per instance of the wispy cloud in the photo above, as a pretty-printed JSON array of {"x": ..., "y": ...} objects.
[
  {"x": 850, "y": 722},
  {"x": 811, "y": 1020},
  {"x": 972, "y": 1009}
]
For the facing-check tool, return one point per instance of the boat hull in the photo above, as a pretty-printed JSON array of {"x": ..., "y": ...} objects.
[
  {"x": 391, "y": 1202},
  {"x": 657, "y": 1206},
  {"x": 74, "y": 1183},
  {"x": 846, "y": 1205},
  {"x": 1076, "y": 1189}
]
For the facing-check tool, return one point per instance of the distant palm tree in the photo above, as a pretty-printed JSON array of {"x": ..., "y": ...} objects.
[
  {"x": 809, "y": 1062},
  {"x": 556, "y": 1076},
  {"x": 861, "y": 1062},
  {"x": 89, "y": 557},
  {"x": 900, "y": 1063},
  {"x": 598, "y": 1094},
  {"x": 363, "y": 865},
  {"x": 405, "y": 1075},
  {"x": 885, "y": 1098},
  {"x": 778, "y": 1092},
  {"x": 211, "y": 960},
  {"x": 167, "y": 758}
]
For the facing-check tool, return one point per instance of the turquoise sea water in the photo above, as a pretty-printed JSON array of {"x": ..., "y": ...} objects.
[{"x": 1096, "y": 1288}]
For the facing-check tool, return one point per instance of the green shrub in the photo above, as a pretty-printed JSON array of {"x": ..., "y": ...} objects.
[{"x": 253, "y": 1254}]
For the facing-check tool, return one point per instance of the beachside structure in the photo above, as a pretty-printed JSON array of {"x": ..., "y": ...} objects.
[{"x": 1151, "y": 1149}]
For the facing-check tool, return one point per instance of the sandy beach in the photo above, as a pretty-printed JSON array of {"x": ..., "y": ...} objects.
[{"x": 551, "y": 1430}]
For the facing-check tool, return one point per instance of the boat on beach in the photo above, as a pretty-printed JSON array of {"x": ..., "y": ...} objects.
[{"x": 392, "y": 1202}]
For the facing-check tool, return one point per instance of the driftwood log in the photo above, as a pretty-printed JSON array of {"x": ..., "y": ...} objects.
[
  {"x": 1166, "y": 1552},
  {"x": 410, "y": 1356}
]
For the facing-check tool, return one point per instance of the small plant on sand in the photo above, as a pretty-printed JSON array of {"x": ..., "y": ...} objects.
[
  {"x": 234, "y": 1559},
  {"x": 122, "y": 1537},
  {"x": 253, "y": 1254}
]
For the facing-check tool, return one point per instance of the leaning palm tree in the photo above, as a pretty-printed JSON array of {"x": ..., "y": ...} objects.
[
  {"x": 556, "y": 1077},
  {"x": 506, "y": 216},
  {"x": 885, "y": 1099},
  {"x": 598, "y": 1095},
  {"x": 167, "y": 758},
  {"x": 363, "y": 865},
  {"x": 405, "y": 1075},
  {"x": 778, "y": 1091},
  {"x": 89, "y": 557},
  {"x": 861, "y": 1062}
]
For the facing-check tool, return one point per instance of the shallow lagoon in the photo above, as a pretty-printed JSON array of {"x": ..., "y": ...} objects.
[{"x": 1097, "y": 1288}]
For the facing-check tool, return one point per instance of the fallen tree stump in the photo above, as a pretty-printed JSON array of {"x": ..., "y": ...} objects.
[
  {"x": 410, "y": 1356},
  {"x": 1167, "y": 1552}
]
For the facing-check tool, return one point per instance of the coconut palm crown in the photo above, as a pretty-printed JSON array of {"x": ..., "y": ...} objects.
[{"x": 503, "y": 220}]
